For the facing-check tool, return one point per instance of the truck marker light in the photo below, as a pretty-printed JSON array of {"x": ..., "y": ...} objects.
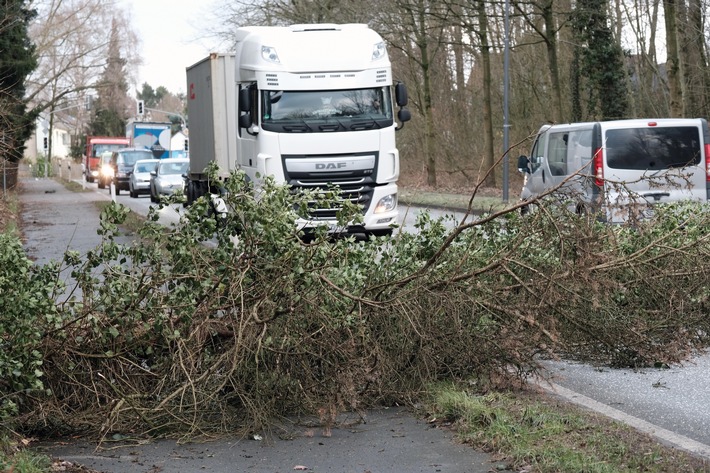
[{"x": 379, "y": 51}]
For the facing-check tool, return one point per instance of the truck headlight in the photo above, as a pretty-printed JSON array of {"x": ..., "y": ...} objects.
[{"x": 386, "y": 204}]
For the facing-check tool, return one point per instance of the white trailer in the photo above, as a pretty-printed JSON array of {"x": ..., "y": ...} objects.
[{"x": 310, "y": 105}]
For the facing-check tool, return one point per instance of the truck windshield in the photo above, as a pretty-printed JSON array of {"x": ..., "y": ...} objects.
[
  {"x": 100, "y": 149},
  {"x": 326, "y": 110}
]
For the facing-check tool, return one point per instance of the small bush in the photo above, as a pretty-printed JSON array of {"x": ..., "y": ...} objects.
[{"x": 28, "y": 308}]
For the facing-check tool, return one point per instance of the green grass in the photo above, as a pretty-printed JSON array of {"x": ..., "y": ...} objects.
[
  {"x": 420, "y": 198},
  {"x": 22, "y": 461},
  {"x": 535, "y": 433}
]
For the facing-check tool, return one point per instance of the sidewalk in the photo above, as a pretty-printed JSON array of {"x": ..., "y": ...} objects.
[
  {"x": 56, "y": 220},
  {"x": 389, "y": 441}
]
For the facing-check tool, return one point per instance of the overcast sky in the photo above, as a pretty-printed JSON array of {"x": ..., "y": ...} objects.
[{"x": 170, "y": 32}]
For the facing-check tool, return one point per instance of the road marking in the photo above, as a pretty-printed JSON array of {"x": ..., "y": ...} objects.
[{"x": 660, "y": 433}]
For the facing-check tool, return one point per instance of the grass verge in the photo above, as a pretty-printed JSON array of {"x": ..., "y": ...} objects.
[
  {"x": 419, "y": 198},
  {"x": 531, "y": 432}
]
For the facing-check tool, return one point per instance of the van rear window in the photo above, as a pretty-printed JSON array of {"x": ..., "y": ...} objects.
[{"x": 652, "y": 148}]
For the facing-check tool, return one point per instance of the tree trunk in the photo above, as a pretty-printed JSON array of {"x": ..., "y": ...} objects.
[
  {"x": 694, "y": 65},
  {"x": 429, "y": 129},
  {"x": 672, "y": 61},
  {"x": 551, "y": 44},
  {"x": 488, "y": 157}
]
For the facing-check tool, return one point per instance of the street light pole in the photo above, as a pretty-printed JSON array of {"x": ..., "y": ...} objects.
[{"x": 506, "y": 88}]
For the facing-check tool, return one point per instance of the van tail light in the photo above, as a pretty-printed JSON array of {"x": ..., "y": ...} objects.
[
  {"x": 707, "y": 162},
  {"x": 598, "y": 164}
]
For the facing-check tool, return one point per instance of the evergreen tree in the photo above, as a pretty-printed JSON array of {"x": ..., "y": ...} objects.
[
  {"x": 112, "y": 104},
  {"x": 17, "y": 61},
  {"x": 600, "y": 61}
]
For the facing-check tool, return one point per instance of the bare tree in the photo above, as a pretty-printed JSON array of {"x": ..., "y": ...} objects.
[{"x": 72, "y": 38}]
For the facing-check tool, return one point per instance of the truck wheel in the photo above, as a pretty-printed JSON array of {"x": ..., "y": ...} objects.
[
  {"x": 189, "y": 193},
  {"x": 102, "y": 185}
]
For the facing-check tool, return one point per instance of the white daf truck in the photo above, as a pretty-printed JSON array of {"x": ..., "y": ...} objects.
[{"x": 312, "y": 106}]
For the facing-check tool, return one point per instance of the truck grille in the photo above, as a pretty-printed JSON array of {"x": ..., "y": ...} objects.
[{"x": 355, "y": 185}]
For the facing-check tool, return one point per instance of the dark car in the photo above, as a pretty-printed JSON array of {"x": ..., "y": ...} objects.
[{"x": 123, "y": 161}]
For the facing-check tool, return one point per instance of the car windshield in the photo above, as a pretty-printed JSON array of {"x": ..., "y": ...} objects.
[
  {"x": 173, "y": 168},
  {"x": 102, "y": 148},
  {"x": 145, "y": 166},
  {"x": 130, "y": 157}
]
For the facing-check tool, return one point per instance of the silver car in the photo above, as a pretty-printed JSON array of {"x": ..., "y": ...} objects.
[
  {"x": 139, "y": 182},
  {"x": 168, "y": 178}
]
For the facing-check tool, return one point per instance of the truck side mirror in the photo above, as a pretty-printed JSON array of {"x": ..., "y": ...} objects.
[
  {"x": 400, "y": 94},
  {"x": 245, "y": 120},
  {"x": 523, "y": 164},
  {"x": 244, "y": 100},
  {"x": 403, "y": 115}
]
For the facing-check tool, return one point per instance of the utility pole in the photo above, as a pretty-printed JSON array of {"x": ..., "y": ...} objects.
[{"x": 506, "y": 87}]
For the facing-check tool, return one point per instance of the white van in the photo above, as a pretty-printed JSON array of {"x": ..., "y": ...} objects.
[{"x": 620, "y": 168}]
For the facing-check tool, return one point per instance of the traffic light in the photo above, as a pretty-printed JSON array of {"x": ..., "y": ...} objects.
[
  {"x": 46, "y": 143},
  {"x": 187, "y": 144},
  {"x": 141, "y": 108}
]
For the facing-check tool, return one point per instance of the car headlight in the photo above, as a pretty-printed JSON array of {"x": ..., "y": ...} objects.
[
  {"x": 386, "y": 204},
  {"x": 107, "y": 170}
]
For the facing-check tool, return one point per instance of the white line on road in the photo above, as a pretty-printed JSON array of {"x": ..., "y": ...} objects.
[{"x": 660, "y": 433}]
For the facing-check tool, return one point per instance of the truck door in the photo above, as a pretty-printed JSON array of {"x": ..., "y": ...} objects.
[{"x": 246, "y": 141}]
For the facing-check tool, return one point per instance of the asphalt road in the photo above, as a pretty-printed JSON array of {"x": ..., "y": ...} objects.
[{"x": 672, "y": 404}]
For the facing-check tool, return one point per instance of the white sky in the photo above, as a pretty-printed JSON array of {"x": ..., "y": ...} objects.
[{"x": 172, "y": 35}]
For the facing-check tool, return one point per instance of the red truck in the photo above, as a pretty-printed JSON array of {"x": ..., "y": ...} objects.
[{"x": 95, "y": 146}]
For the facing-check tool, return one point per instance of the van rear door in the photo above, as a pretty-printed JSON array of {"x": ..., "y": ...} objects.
[{"x": 655, "y": 160}]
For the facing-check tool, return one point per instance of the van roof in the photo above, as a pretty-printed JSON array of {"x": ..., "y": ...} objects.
[{"x": 632, "y": 122}]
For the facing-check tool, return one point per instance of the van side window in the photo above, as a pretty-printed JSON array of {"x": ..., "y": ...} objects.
[
  {"x": 579, "y": 155},
  {"x": 557, "y": 153}
]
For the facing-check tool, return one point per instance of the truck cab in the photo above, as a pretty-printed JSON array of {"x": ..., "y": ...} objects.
[{"x": 315, "y": 106}]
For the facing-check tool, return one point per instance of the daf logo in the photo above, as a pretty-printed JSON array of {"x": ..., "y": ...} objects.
[{"x": 330, "y": 166}]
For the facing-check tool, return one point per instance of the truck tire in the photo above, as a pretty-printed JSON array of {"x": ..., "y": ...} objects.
[{"x": 189, "y": 193}]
